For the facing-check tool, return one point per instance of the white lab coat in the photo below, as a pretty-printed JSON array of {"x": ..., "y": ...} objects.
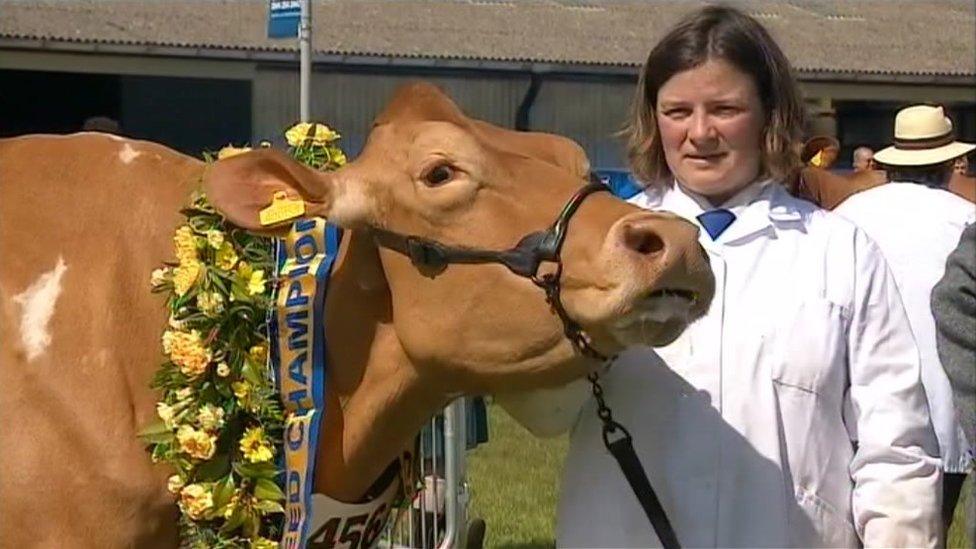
[
  {"x": 745, "y": 426},
  {"x": 917, "y": 228}
]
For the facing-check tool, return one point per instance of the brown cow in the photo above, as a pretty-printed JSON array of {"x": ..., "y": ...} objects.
[
  {"x": 828, "y": 189},
  {"x": 963, "y": 185},
  {"x": 85, "y": 218}
]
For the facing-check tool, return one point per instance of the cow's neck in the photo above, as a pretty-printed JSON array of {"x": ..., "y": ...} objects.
[{"x": 375, "y": 402}]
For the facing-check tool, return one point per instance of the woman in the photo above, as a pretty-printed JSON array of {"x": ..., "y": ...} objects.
[{"x": 792, "y": 414}]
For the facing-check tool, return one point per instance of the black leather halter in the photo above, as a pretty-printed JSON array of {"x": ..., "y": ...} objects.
[{"x": 524, "y": 259}]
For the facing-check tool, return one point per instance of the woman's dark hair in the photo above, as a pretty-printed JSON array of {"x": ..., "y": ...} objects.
[{"x": 719, "y": 32}]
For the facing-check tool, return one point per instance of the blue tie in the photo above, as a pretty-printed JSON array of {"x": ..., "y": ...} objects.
[{"x": 716, "y": 221}]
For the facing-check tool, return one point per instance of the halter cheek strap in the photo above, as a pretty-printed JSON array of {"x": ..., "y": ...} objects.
[{"x": 524, "y": 259}]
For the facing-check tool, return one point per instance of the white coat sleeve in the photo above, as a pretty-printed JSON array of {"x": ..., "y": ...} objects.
[{"x": 896, "y": 471}]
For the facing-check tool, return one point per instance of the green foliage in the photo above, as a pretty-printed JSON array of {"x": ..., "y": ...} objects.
[{"x": 220, "y": 416}]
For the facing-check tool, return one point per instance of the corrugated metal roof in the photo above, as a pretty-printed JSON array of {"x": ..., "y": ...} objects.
[{"x": 925, "y": 37}]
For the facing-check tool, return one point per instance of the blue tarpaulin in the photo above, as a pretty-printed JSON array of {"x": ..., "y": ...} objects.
[{"x": 621, "y": 182}]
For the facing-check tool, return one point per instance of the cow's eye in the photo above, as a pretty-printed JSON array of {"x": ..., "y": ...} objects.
[{"x": 439, "y": 175}]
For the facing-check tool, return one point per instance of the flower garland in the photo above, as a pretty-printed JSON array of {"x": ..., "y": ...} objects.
[{"x": 220, "y": 418}]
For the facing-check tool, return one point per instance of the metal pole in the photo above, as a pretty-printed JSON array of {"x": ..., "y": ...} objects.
[
  {"x": 305, "y": 46},
  {"x": 454, "y": 447}
]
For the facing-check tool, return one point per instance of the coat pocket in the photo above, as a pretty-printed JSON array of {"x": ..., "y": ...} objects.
[
  {"x": 807, "y": 354},
  {"x": 816, "y": 523},
  {"x": 807, "y": 348}
]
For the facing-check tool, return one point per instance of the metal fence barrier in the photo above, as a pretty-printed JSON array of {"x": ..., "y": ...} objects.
[{"x": 438, "y": 515}]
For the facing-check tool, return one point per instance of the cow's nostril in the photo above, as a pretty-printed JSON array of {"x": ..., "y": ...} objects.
[{"x": 642, "y": 240}]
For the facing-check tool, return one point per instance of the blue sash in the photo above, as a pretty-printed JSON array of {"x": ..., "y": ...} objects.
[{"x": 305, "y": 260}]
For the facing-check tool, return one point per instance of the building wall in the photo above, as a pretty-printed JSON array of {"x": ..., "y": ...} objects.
[
  {"x": 589, "y": 111},
  {"x": 350, "y": 101},
  {"x": 193, "y": 103}
]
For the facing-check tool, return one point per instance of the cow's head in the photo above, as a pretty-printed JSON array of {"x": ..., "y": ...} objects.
[{"x": 428, "y": 170}]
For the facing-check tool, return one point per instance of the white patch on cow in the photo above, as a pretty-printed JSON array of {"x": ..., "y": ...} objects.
[
  {"x": 111, "y": 136},
  {"x": 128, "y": 154},
  {"x": 37, "y": 307},
  {"x": 642, "y": 325}
]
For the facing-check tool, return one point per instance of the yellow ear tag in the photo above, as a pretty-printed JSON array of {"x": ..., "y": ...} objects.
[
  {"x": 817, "y": 159},
  {"x": 281, "y": 209}
]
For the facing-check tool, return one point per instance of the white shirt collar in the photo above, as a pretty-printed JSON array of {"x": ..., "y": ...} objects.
[
  {"x": 756, "y": 207},
  {"x": 735, "y": 204}
]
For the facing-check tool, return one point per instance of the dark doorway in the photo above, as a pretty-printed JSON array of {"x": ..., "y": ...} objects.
[
  {"x": 55, "y": 102},
  {"x": 191, "y": 115}
]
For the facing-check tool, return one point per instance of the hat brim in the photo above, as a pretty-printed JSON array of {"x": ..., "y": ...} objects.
[{"x": 893, "y": 156}]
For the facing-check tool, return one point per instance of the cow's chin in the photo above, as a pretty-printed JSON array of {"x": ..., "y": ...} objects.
[{"x": 656, "y": 321}]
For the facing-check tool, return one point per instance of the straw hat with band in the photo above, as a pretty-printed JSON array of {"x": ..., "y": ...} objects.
[{"x": 923, "y": 136}]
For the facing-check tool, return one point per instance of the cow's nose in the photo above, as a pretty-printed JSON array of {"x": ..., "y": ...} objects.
[{"x": 641, "y": 236}]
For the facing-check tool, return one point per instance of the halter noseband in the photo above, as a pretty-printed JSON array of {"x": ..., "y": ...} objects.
[{"x": 524, "y": 259}]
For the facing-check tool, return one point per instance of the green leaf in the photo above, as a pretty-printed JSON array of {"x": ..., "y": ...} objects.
[
  {"x": 266, "y": 489},
  {"x": 234, "y": 522},
  {"x": 156, "y": 433},
  {"x": 268, "y": 506},
  {"x": 265, "y": 470},
  {"x": 214, "y": 468},
  {"x": 223, "y": 491},
  {"x": 252, "y": 523},
  {"x": 219, "y": 283},
  {"x": 252, "y": 373}
]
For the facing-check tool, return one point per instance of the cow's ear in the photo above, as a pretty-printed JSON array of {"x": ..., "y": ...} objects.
[{"x": 242, "y": 186}]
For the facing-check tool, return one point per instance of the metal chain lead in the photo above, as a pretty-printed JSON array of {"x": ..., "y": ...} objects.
[{"x": 602, "y": 410}]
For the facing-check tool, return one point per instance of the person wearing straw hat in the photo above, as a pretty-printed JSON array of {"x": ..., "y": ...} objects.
[{"x": 917, "y": 223}]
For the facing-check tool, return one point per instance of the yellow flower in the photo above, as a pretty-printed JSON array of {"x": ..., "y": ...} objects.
[
  {"x": 175, "y": 324},
  {"x": 255, "y": 445},
  {"x": 168, "y": 341},
  {"x": 215, "y": 238},
  {"x": 223, "y": 370},
  {"x": 259, "y": 353},
  {"x": 230, "y": 151},
  {"x": 188, "y": 353},
  {"x": 184, "y": 393},
  {"x": 196, "y": 500},
  {"x": 263, "y": 543},
  {"x": 174, "y": 484},
  {"x": 159, "y": 277},
  {"x": 242, "y": 390},
  {"x": 185, "y": 276},
  {"x": 196, "y": 444},
  {"x": 165, "y": 413},
  {"x": 255, "y": 285},
  {"x": 226, "y": 257},
  {"x": 338, "y": 157},
  {"x": 211, "y": 303},
  {"x": 210, "y": 417},
  {"x": 185, "y": 244},
  {"x": 317, "y": 134}
]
